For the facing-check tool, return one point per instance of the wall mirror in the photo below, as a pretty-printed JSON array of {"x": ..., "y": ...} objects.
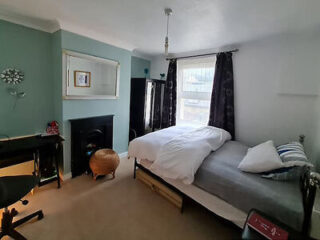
[{"x": 89, "y": 77}]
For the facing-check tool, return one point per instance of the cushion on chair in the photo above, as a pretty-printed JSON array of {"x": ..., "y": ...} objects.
[{"x": 13, "y": 188}]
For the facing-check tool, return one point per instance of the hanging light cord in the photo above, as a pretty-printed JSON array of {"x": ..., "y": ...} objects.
[
  {"x": 168, "y": 24},
  {"x": 168, "y": 12}
]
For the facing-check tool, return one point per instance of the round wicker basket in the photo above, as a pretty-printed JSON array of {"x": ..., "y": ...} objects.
[{"x": 103, "y": 162}]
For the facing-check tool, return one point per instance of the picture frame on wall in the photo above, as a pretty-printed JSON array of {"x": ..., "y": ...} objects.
[{"x": 82, "y": 79}]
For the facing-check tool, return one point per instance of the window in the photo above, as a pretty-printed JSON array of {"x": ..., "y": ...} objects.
[{"x": 195, "y": 80}]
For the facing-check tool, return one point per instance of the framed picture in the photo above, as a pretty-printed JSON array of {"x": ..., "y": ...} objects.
[{"x": 82, "y": 79}]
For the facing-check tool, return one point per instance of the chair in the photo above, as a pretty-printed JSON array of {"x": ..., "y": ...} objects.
[{"x": 13, "y": 189}]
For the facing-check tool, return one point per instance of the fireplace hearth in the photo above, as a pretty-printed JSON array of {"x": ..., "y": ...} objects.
[{"x": 87, "y": 136}]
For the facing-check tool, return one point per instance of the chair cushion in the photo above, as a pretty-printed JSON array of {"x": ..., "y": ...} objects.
[{"x": 13, "y": 188}]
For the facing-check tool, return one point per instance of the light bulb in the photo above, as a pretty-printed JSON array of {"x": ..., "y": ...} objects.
[{"x": 166, "y": 46}]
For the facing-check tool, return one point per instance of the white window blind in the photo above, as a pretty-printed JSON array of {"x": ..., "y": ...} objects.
[{"x": 194, "y": 87}]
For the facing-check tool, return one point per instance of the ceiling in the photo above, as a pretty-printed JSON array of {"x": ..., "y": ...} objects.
[{"x": 140, "y": 25}]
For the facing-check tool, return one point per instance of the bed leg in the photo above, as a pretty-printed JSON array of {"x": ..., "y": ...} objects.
[
  {"x": 182, "y": 206},
  {"x": 134, "y": 168}
]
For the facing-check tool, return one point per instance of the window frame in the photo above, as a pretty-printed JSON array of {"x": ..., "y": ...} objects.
[{"x": 192, "y": 95}]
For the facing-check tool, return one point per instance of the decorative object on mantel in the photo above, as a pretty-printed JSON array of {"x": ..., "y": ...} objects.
[
  {"x": 103, "y": 162},
  {"x": 162, "y": 76},
  {"x": 168, "y": 12},
  {"x": 146, "y": 71},
  {"x": 53, "y": 128},
  {"x": 12, "y": 76}
]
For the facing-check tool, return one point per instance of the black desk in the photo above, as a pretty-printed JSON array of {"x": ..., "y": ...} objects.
[{"x": 29, "y": 148}]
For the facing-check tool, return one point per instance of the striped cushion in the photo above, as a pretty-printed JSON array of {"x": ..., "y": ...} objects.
[
  {"x": 285, "y": 174},
  {"x": 292, "y": 154}
]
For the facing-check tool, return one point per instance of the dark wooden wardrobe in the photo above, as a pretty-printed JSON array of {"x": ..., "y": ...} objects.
[{"x": 145, "y": 106}]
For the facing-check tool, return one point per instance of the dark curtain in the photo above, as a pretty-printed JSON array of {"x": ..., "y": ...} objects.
[
  {"x": 222, "y": 97},
  {"x": 170, "y": 96},
  {"x": 157, "y": 105}
]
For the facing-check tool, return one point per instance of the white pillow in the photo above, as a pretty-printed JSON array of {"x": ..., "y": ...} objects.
[{"x": 261, "y": 158}]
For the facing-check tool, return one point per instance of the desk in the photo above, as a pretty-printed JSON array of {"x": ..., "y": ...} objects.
[{"x": 25, "y": 149}]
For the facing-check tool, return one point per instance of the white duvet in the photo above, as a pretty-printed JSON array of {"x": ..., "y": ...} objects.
[
  {"x": 148, "y": 146},
  {"x": 181, "y": 157}
]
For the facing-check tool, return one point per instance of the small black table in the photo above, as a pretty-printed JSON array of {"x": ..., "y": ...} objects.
[{"x": 27, "y": 148}]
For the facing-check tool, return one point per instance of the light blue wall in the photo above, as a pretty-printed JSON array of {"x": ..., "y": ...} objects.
[
  {"x": 86, "y": 108},
  {"x": 57, "y": 76},
  {"x": 39, "y": 56},
  {"x": 30, "y": 51},
  {"x": 137, "y": 67}
]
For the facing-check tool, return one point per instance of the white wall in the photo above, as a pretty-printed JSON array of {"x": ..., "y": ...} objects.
[
  {"x": 316, "y": 144},
  {"x": 263, "y": 71},
  {"x": 158, "y": 65},
  {"x": 260, "y": 68}
]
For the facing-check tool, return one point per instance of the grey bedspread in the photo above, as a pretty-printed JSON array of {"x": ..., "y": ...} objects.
[{"x": 220, "y": 176}]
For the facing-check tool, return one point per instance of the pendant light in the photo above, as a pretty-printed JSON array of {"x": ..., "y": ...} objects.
[{"x": 168, "y": 12}]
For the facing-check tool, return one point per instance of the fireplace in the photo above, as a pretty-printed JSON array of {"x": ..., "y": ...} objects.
[{"x": 87, "y": 136}]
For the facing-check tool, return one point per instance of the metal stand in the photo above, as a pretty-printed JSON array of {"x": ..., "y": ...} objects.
[{"x": 8, "y": 226}]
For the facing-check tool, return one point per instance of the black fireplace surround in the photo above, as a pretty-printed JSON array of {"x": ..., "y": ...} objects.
[{"x": 87, "y": 136}]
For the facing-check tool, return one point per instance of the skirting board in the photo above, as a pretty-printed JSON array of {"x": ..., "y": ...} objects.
[
  {"x": 68, "y": 175},
  {"x": 123, "y": 155}
]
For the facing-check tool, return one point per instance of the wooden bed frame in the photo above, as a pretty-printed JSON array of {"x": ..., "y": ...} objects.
[
  {"x": 308, "y": 188},
  {"x": 168, "y": 185}
]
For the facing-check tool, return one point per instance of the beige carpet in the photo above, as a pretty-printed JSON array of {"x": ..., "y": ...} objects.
[{"x": 122, "y": 208}]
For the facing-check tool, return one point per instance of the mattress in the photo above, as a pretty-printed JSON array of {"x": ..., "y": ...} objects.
[{"x": 220, "y": 176}]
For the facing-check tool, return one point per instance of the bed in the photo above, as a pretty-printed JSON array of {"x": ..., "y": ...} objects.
[
  {"x": 220, "y": 176},
  {"x": 221, "y": 187}
]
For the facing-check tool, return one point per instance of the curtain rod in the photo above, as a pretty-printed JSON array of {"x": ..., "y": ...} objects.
[{"x": 201, "y": 55}]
